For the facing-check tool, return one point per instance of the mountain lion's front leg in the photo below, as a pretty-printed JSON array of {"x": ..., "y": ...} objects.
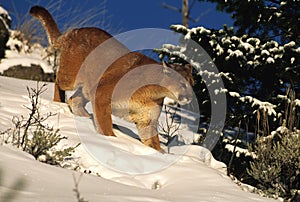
[
  {"x": 153, "y": 142},
  {"x": 148, "y": 133}
]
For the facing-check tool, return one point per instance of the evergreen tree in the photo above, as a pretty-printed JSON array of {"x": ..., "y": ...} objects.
[
  {"x": 266, "y": 19},
  {"x": 254, "y": 72},
  {"x": 259, "y": 63}
]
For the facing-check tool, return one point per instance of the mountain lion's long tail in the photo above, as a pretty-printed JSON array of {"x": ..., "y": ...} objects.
[
  {"x": 52, "y": 33},
  {"x": 48, "y": 22}
]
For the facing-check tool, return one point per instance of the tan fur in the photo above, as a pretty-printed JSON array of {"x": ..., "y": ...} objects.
[{"x": 82, "y": 64}]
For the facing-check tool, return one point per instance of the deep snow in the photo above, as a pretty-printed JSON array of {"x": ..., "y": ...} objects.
[{"x": 192, "y": 175}]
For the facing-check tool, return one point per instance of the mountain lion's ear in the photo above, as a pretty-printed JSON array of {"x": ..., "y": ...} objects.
[
  {"x": 189, "y": 67},
  {"x": 166, "y": 67},
  {"x": 164, "y": 63}
]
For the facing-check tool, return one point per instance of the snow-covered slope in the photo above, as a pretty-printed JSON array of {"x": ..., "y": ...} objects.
[{"x": 192, "y": 175}]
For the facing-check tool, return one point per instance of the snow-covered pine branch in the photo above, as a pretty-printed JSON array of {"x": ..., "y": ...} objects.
[
  {"x": 252, "y": 51},
  {"x": 267, "y": 107}
]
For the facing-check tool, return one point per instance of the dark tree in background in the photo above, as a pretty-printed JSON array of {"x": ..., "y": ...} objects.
[{"x": 273, "y": 19}]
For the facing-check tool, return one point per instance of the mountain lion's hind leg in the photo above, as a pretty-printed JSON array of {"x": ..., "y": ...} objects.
[
  {"x": 102, "y": 113},
  {"x": 59, "y": 95}
]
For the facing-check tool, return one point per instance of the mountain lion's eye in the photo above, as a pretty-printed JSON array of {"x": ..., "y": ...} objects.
[{"x": 183, "y": 84}]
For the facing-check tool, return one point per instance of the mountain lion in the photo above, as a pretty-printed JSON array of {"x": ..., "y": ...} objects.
[{"x": 116, "y": 81}]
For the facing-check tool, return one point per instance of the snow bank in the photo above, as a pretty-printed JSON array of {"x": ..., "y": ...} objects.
[{"x": 25, "y": 60}]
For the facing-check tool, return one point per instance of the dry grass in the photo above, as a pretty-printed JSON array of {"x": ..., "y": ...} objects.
[{"x": 79, "y": 15}]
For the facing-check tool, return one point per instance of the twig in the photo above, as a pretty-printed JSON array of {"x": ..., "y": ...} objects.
[
  {"x": 234, "y": 148},
  {"x": 170, "y": 127},
  {"x": 76, "y": 189}
]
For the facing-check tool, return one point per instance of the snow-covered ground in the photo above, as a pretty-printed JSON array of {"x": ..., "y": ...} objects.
[
  {"x": 128, "y": 171},
  {"x": 120, "y": 168}
]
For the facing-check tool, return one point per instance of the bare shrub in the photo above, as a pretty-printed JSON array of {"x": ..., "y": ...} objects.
[{"x": 31, "y": 134}]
